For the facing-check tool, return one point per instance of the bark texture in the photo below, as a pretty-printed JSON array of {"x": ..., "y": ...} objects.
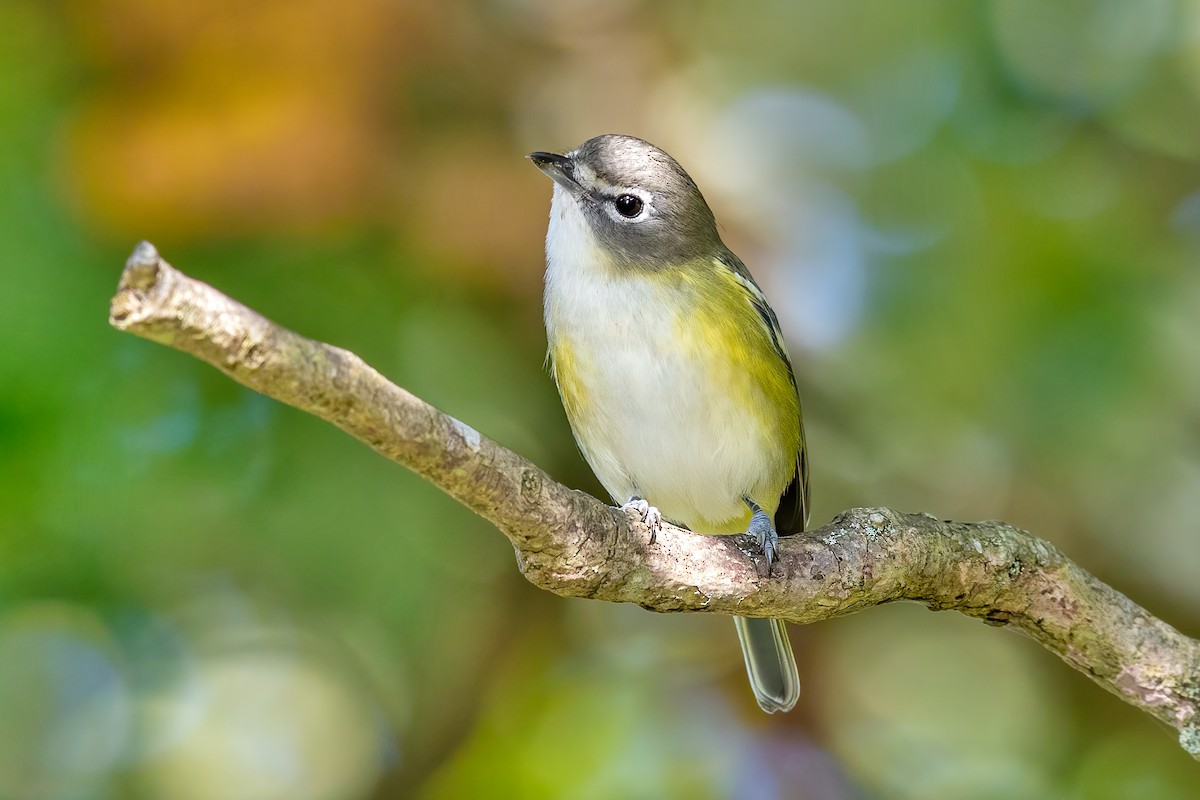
[{"x": 574, "y": 545}]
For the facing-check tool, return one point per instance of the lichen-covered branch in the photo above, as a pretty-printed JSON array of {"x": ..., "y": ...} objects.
[{"x": 572, "y": 544}]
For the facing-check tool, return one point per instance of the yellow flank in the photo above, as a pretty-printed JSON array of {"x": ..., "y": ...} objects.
[
  {"x": 566, "y": 376},
  {"x": 729, "y": 336}
]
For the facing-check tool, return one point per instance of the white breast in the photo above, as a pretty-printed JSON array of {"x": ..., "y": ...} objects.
[{"x": 653, "y": 424}]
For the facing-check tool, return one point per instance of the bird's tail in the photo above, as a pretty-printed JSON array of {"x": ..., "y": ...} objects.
[{"x": 769, "y": 663}]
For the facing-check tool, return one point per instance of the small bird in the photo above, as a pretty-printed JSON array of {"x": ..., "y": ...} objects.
[{"x": 672, "y": 367}]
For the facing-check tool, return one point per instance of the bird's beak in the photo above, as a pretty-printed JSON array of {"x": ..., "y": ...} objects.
[{"x": 560, "y": 169}]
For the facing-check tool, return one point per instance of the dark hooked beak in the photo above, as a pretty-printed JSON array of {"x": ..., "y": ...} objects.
[{"x": 560, "y": 169}]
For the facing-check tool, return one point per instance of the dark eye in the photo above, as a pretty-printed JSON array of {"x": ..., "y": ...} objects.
[{"x": 629, "y": 205}]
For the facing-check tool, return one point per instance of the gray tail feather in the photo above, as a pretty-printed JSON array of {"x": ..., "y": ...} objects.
[{"x": 769, "y": 663}]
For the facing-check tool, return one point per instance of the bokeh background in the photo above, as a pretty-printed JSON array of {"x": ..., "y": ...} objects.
[{"x": 980, "y": 226}]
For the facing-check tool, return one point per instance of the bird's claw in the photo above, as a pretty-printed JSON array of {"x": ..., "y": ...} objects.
[
  {"x": 763, "y": 532},
  {"x": 646, "y": 513}
]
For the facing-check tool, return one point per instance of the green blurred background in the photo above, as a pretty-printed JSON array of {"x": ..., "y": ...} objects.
[{"x": 980, "y": 226}]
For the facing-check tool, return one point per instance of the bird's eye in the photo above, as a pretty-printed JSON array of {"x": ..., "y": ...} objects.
[{"x": 629, "y": 205}]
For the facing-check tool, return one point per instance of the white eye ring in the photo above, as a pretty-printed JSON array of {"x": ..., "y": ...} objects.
[{"x": 628, "y": 206}]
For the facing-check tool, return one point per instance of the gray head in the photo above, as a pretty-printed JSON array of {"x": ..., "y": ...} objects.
[{"x": 639, "y": 203}]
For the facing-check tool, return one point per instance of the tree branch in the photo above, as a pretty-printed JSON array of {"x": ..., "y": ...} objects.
[{"x": 572, "y": 544}]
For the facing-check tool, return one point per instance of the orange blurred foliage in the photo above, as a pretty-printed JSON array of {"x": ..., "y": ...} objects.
[{"x": 231, "y": 117}]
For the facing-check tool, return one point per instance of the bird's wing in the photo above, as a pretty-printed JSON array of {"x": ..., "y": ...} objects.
[{"x": 792, "y": 514}]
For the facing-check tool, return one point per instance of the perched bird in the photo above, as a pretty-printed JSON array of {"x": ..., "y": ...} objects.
[{"x": 671, "y": 365}]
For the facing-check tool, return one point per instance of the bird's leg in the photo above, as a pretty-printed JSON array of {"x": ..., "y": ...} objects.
[
  {"x": 762, "y": 531},
  {"x": 647, "y": 513}
]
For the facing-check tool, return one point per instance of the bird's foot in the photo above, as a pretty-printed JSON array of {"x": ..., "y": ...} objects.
[
  {"x": 763, "y": 532},
  {"x": 646, "y": 513}
]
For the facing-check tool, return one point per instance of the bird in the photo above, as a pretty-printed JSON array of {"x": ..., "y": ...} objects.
[{"x": 672, "y": 367}]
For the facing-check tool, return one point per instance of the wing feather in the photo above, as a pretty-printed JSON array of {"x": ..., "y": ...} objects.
[{"x": 792, "y": 514}]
